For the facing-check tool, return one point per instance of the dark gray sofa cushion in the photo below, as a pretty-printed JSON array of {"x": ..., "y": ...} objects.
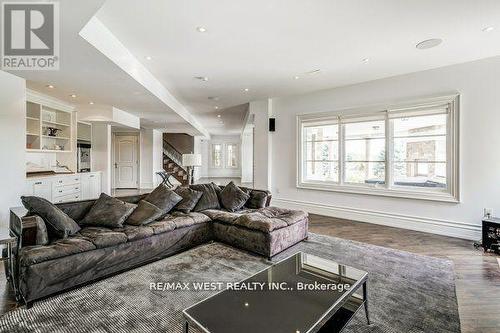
[
  {"x": 108, "y": 212},
  {"x": 257, "y": 199},
  {"x": 103, "y": 237},
  {"x": 232, "y": 197},
  {"x": 209, "y": 199},
  {"x": 31, "y": 255},
  {"x": 163, "y": 198},
  {"x": 145, "y": 213},
  {"x": 58, "y": 223},
  {"x": 189, "y": 200},
  {"x": 270, "y": 218}
]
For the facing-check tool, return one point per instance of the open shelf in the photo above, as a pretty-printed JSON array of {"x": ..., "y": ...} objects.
[{"x": 41, "y": 120}]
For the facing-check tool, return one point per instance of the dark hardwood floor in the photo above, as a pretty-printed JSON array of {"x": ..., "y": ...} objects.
[{"x": 477, "y": 274}]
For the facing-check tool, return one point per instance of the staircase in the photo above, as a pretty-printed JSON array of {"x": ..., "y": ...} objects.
[{"x": 172, "y": 163}]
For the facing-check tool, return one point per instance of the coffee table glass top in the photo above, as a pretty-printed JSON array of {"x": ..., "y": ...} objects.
[{"x": 298, "y": 294}]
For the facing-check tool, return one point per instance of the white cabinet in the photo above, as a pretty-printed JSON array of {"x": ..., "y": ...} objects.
[
  {"x": 90, "y": 185},
  {"x": 40, "y": 188},
  {"x": 66, "y": 188}
]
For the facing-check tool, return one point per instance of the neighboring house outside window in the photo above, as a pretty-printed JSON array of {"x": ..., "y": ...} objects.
[{"x": 408, "y": 150}]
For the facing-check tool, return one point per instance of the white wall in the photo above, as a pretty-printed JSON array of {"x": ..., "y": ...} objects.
[
  {"x": 12, "y": 143},
  {"x": 247, "y": 155},
  {"x": 157, "y": 156},
  {"x": 479, "y": 85},
  {"x": 206, "y": 170},
  {"x": 101, "y": 153},
  {"x": 146, "y": 158},
  {"x": 262, "y": 110}
]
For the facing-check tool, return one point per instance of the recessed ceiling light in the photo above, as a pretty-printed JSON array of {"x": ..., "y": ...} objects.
[
  {"x": 429, "y": 43},
  {"x": 73, "y": 95},
  {"x": 314, "y": 71},
  {"x": 488, "y": 29},
  {"x": 296, "y": 77},
  {"x": 246, "y": 89},
  {"x": 50, "y": 86},
  {"x": 201, "y": 78},
  {"x": 91, "y": 103},
  {"x": 218, "y": 116},
  {"x": 201, "y": 29},
  {"x": 149, "y": 58},
  {"x": 216, "y": 107},
  {"x": 366, "y": 60}
]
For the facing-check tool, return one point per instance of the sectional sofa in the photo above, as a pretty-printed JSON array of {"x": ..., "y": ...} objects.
[{"x": 41, "y": 268}]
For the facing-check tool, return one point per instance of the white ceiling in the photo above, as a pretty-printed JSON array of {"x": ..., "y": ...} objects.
[{"x": 262, "y": 45}]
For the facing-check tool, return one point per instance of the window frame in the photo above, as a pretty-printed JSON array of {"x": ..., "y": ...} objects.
[
  {"x": 212, "y": 150},
  {"x": 451, "y": 194},
  {"x": 236, "y": 151}
]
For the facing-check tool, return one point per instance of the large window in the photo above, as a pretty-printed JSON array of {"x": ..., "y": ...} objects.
[
  {"x": 409, "y": 150},
  {"x": 216, "y": 155},
  {"x": 232, "y": 155}
]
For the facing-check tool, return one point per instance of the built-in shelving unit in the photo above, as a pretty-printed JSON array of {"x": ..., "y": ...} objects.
[{"x": 49, "y": 126}]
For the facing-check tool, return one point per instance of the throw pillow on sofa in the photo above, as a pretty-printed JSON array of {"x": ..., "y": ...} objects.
[
  {"x": 189, "y": 200},
  {"x": 232, "y": 197},
  {"x": 163, "y": 198},
  {"x": 209, "y": 199},
  {"x": 258, "y": 199},
  {"x": 58, "y": 223},
  {"x": 145, "y": 213},
  {"x": 108, "y": 212}
]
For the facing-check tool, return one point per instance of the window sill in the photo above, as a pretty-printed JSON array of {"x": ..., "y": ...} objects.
[{"x": 378, "y": 191}]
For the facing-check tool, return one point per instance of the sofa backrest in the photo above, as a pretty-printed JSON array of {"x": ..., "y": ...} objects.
[
  {"x": 266, "y": 192},
  {"x": 78, "y": 209}
]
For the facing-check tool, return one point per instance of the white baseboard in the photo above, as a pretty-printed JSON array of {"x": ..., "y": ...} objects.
[
  {"x": 148, "y": 185},
  {"x": 424, "y": 224}
]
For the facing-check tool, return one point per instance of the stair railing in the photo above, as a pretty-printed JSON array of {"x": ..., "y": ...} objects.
[{"x": 173, "y": 154}]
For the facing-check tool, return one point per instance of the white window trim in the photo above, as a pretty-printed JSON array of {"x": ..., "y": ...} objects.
[
  {"x": 452, "y": 194},
  {"x": 212, "y": 164},
  {"x": 237, "y": 151}
]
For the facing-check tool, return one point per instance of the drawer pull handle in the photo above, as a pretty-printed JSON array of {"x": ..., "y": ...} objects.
[
  {"x": 38, "y": 183},
  {"x": 60, "y": 191},
  {"x": 60, "y": 181}
]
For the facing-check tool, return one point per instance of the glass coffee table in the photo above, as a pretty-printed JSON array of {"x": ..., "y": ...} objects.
[{"x": 303, "y": 293}]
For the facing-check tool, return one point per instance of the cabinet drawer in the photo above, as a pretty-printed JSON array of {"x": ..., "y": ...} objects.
[
  {"x": 70, "y": 180},
  {"x": 66, "y": 189},
  {"x": 67, "y": 198}
]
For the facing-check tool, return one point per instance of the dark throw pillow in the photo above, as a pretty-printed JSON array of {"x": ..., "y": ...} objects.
[
  {"x": 257, "y": 199},
  {"x": 163, "y": 198},
  {"x": 144, "y": 213},
  {"x": 59, "y": 224},
  {"x": 232, "y": 197},
  {"x": 209, "y": 199},
  {"x": 189, "y": 200},
  {"x": 108, "y": 212}
]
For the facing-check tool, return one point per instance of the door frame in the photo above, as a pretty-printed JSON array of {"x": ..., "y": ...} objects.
[{"x": 113, "y": 156}]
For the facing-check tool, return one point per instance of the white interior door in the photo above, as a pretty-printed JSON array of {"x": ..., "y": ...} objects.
[{"x": 126, "y": 161}]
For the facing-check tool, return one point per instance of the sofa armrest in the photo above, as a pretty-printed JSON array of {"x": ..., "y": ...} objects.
[{"x": 29, "y": 230}]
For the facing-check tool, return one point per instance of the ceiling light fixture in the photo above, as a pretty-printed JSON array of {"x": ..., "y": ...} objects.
[
  {"x": 91, "y": 103},
  {"x": 216, "y": 107},
  {"x": 201, "y": 78},
  {"x": 314, "y": 71},
  {"x": 73, "y": 95},
  {"x": 366, "y": 60},
  {"x": 201, "y": 29},
  {"x": 296, "y": 77},
  {"x": 246, "y": 89},
  {"x": 50, "y": 86},
  {"x": 148, "y": 58},
  {"x": 488, "y": 29},
  {"x": 218, "y": 116},
  {"x": 429, "y": 43}
]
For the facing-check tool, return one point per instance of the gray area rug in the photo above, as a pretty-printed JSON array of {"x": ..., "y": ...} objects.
[{"x": 408, "y": 293}]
